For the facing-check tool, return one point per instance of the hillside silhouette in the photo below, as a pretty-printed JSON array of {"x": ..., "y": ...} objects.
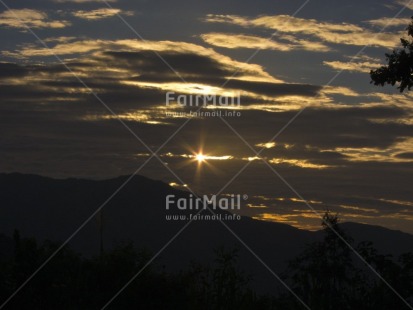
[{"x": 36, "y": 209}]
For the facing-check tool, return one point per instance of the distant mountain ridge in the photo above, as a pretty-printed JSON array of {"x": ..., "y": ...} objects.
[{"x": 46, "y": 208}]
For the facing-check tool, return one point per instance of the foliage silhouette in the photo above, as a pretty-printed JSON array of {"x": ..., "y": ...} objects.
[
  {"x": 399, "y": 68},
  {"x": 326, "y": 275}
]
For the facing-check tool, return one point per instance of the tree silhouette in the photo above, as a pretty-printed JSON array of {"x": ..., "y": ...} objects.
[
  {"x": 327, "y": 275},
  {"x": 222, "y": 286},
  {"x": 399, "y": 68},
  {"x": 324, "y": 274}
]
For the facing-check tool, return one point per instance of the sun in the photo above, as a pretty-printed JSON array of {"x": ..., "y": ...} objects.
[{"x": 200, "y": 157}]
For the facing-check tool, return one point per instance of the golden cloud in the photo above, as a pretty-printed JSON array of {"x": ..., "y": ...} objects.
[
  {"x": 389, "y": 154},
  {"x": 247, "y": 71},
  {"x": 230, "y": 40},
  {"x": 100, "y": 13},
  {"x": 29, "y": 18},
  {"x": 406, "y": 3},
  {"x": 267, "y": 145},
  {"x": 363, "y": 67},
  {"x": 298, "y": 163},
  {"x": 341, "y": 90},
  {"x": 389, "y": 22},
  {"x": 336, "y": 33},
  {"x": 244, "y": 41}
]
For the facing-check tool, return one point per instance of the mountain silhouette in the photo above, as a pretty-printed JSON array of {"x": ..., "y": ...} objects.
[{"x": 46, "y": 208}]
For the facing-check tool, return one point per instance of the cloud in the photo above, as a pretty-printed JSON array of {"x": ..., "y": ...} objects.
[
  {"x": 300, "y": 156},
  {"x": 130, "y": 76},
  {"x": 334, "y": 128},
  {"x": 405, "y": 3},
  {"x": 11, "y": 70},
  {"x": 303, "y": 44},
  {"x": 254, "y": 42},
  {"x": 400, "y": 151},
  {"x": 134, "y": 64},
  {"x": 360, "y": 63},
  {"x": 62, "y": 39},
  {"x": 334, "y": 33},
  {"x": 244, "y": 41},
  {"x": 100, "y": 13},
  {"x": 51, "y": 119},
  {"x": 302, "y": 163},
  {"x": 408, "y": 155},
  {"x": 351, "y": 66},
  {"x": 52, "y": 125},
  {"x": 267, "y": 145},
  {"x": 130, "y": 73},
  {"x": 294, "y": 212},
  {"x": 29, "y": 18},
  {"x": 389, "y": 22},
  {"x": 247, "y": 71},
  {"x": 345, "y": 91}
]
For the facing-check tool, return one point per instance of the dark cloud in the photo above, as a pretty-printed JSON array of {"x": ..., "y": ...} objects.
[
  {"x": 184, "y": 63},
  {"x": 406, "y": 155},
  {"x": 276, "y": 89},
  {"x": 329, "y": 127},
  {"x": 49, "y": 81},
  {"x": 199, "y": 69},
  {"x": 10, "y": 70}
]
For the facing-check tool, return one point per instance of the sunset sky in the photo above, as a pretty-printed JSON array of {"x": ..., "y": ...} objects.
[{"x": 83, "y": 87}]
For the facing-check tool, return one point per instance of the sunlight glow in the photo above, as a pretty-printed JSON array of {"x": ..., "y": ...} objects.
[
  {"x": 200, "y": 157},
  {"x": 267, "y": 145},
  {"x": 203, "y": 158}
]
